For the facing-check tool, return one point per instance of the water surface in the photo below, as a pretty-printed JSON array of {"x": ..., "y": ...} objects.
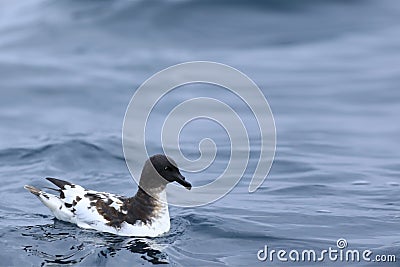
[{"x": 329, "y": 70}]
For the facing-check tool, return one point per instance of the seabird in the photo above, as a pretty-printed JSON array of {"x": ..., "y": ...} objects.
[{"x": 144, "y": 214}]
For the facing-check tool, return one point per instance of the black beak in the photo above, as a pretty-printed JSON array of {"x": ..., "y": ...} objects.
[{"x": 181, "y": 180}]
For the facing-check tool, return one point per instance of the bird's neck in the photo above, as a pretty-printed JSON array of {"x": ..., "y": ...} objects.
[{"x": 157, "y": 195}]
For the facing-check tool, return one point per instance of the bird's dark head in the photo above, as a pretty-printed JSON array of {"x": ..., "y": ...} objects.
[{"x": 165, "y": 167}]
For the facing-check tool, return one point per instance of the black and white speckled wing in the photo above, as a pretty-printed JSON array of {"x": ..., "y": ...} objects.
[
  {"x": 91, "y": 209},
  {"x": 101, "y": 208}
]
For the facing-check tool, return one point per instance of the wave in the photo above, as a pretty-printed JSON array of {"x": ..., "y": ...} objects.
[
  {"x": 134, "y": 26},
  {"x": 266, "y": 4},
  {"x": 70, "y": 153}
]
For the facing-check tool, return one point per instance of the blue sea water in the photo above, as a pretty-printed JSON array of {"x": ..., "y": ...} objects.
[{"x": 329, "y": 69}]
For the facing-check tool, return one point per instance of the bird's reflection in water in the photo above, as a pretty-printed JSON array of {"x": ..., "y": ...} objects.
[
  {"x": 65, "y": 244},
  {"x": 147, "y": 248}
]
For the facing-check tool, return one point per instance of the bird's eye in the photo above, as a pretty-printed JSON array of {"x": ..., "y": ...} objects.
[{"x": 166, "y": 168}]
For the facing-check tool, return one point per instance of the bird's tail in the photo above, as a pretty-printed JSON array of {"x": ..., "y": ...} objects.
[
  {"x": 33, "y": 190},
  {"x": 53, "y": 202}
]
